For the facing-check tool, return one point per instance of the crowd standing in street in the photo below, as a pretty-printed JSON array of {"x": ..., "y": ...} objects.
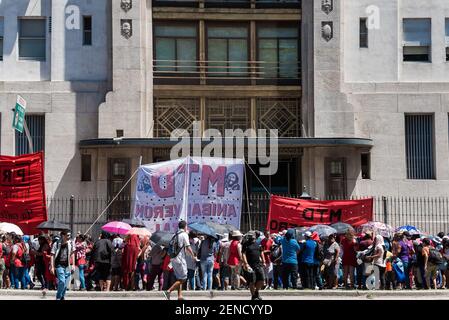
[{"x": 235, "y": 261}]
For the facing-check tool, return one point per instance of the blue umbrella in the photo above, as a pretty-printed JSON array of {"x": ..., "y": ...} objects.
[
  {"x": 323, "y": 231},
  {"x": 203, "y": 228},
  {"x": 410, "y": 229}
]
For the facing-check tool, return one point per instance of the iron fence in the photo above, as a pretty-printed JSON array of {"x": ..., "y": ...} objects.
[{"x": 429, "y": 214}]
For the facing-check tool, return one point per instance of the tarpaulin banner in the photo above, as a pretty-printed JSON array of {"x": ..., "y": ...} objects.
[
  {"x": 22, "y": 191},
  {"x": 288, "y": 213},
  {"x": 194, "y": 189}
]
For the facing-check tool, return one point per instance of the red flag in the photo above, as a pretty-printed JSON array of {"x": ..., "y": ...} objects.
[
  {"x": 290, "y": 212},
  {"x": 22, "y": 191}
]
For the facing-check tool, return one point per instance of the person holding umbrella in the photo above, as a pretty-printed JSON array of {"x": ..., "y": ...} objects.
[{"x": 62, "y": 263}]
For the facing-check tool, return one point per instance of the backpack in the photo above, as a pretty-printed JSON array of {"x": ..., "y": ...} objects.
[
  {"x": 275, "y": 252},
  {"x": 25, "y": 255},
  {"x": 173, "y": 246},
  {"x": 319, "y": 253},
  {"x": 435, "y": 256}
]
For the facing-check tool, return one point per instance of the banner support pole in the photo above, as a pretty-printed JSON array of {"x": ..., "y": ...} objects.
[{"x": 247, "y": 198}]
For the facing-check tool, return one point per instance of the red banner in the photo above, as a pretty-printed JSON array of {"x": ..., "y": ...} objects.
[
  {"x": 22, "y": 191},
  {"x": 288, "y": 213}
]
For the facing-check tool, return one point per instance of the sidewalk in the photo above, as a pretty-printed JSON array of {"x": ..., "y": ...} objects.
[{"x": 290, "y": 294}]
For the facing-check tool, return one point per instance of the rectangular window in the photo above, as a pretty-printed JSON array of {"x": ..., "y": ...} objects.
[
  {"x": 32, "y": 39},
  {"x": 176, "y": 49},
  {"x": 227, "y": 51},
  {"x": 417, "y": 40},
  {"x": 363, "y": 33},
  {"x": 118, "y": 174},
  {"x": 447, "y": 39},
  {"x": 335, "y": 178},
  {"x": 419, "y": 146},
  {"x": 2, "y": 30},
  {"x": 366, "y": 165},
  {"x": 87, "y": 30},
  {"x": 36, "y": 126},
  {"x": 86, "y": 167},
  {"x": 278, "y": 51}
]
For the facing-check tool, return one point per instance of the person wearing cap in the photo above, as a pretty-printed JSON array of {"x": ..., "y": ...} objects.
[
  {"x": 307, "y": 260},
  {"x": 235, "y": 258},
  {"x": 290, "y": 249},
  {"x": 62, "y": 263},
  {"x": 223, "y": 256}
]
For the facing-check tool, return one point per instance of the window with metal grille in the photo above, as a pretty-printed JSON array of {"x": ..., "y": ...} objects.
[
  {"x": 36, "y": 126},
  {"x": 417, "y": 40},
  {"x": 419, "y": 146},
  {"x": 1, "y": 37},
  {"x": 86, "y": 167},
  {"x": 32, "y": 39},
  {"x": 87, "y": 30},
  {"x": 363, "y": 33}
]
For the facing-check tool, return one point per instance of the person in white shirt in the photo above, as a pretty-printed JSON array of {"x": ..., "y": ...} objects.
[{"x": 179, "y": 262}]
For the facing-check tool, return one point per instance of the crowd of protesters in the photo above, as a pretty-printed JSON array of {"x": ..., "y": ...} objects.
[{"x": 233, "y": 262}]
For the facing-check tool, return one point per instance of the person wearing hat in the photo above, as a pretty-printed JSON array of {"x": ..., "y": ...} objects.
[
  {"x": 308, "y": 248},
  {"x": 223, "y": 256},
  {"x": 62, "y": 263},
  {"x": 253, "y": 265},
  {"x": 235, "y": 258}
]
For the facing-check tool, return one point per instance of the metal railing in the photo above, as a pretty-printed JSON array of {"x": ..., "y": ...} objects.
[
  {"x": 226, "y": 70},
  {"x": 429, "y": 214}
]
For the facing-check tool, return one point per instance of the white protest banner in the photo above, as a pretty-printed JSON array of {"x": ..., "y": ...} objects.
[{"x": 194, "y": 189}]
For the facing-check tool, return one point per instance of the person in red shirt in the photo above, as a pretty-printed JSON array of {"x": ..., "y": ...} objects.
[
  {"x": 349, "y": 258},
  {"x": 266, "y": 244},
  {"x": 168, "y": 273}
]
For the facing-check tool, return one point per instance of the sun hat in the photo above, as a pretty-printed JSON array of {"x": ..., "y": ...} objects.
[
  {"x": 236, "y": 233},
  {"x": 308, "y": 234}
]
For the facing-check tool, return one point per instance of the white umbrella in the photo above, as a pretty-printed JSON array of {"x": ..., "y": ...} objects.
[{"x": 6, "y": 227}]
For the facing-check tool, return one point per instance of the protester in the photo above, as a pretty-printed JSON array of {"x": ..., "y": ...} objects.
[
  {"x": 430, "y": 268},
  {"x": 116, "y": 264},
  {"x": 331, "y": 262},
  {"x": 235, "y": 258},
  {"x": 157, "y": 255},
  {"x": 80, "y": 259},
  {"x": 129, "y": 260},
  {"x": 253, "y": 265},
  {"x": 177, "y": 251},
  {"x": 40, "y": 265},
  {"x": 266, "y": 244},
  {"x": 365, "y": 242},
  {"x": 276, "y": 259},
  {"x": 223, "y": 257},
  {"x": 349, "y": 260},
  {"x": 378, "y": 259},
  {"x": 17, "y": 263},
  {"x": 192, "y": 265},
  {"x": 317, "y": 260},
  {"x": 2, "y": 263},
  {"x": 445, "y": 252},
  {"x": 207, "y": 251},
  {"x": 308, "y": 248},
  {"x": 101, "y": 256},
  {"x": 62, "y": 263},
  {"x": 290, "y": 249}
]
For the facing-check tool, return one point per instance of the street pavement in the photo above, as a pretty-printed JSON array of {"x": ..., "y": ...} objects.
[{"x": 354, "y": 295}]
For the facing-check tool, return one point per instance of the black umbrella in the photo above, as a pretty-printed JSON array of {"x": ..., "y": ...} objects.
[
  {"x": 342, "y": 227},
  {"x": 134, "y": 222},
  {"x": 220, "y": 228},
  {"x": 53, "y": 225},
  {"x": 162, "y": 238}
]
